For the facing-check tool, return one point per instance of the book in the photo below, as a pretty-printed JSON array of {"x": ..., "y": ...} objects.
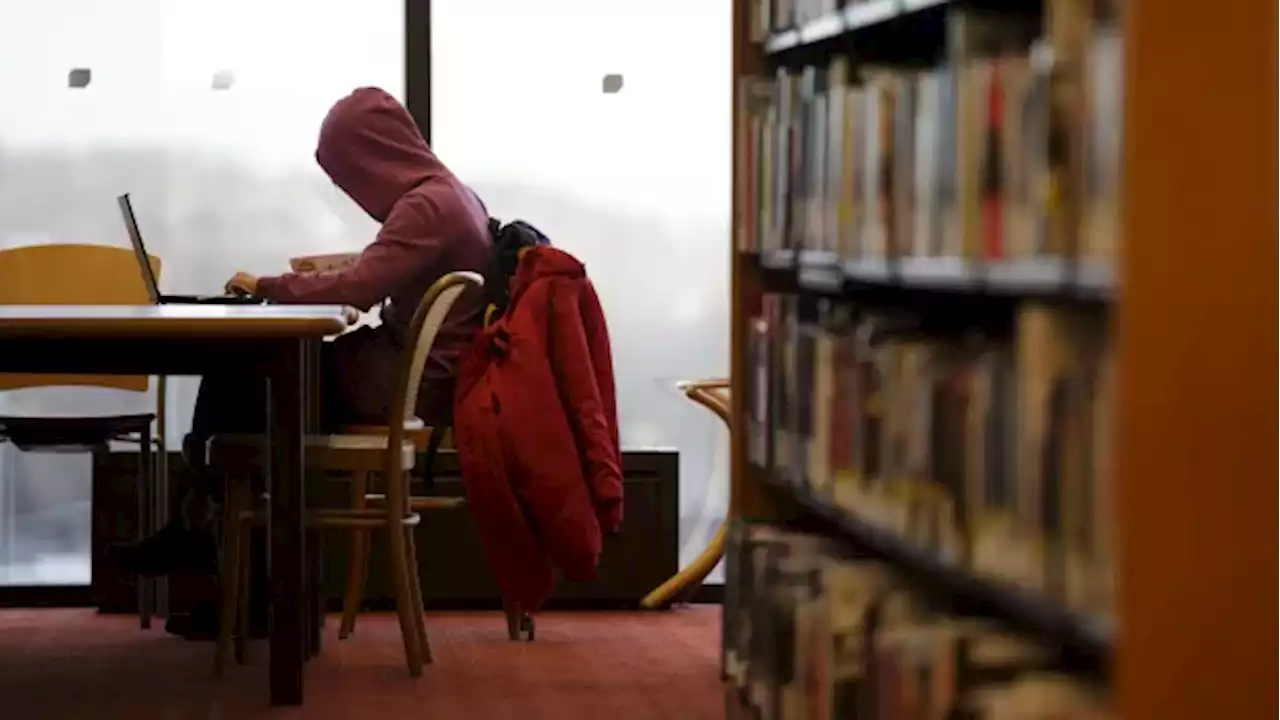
[
  {"x": 927, "y": 149},
  {"x": 783, "y": 159},
  {"x": 808, "y": 157},
  {"x": 759, "y": 431},
  {"x": 973, "y": 89},
  {"x": 1021, "y": 148},
  {"x": 853, "y": 175},
  {"x": 948, "y": 240},
  {"x": 1103, "y": 124},
  {"x": 877, "y": 166},
  {"x": 836, "y": 180},
  {"x": 902, "y": 202},
  {"x": 823, "y": 425}
]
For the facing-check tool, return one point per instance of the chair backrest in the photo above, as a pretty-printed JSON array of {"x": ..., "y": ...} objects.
[
  {"x": 72, "y": 275},
  {"x": 430, "y": 315}
]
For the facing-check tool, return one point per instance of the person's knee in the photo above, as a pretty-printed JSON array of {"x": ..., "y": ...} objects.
[
  {"x": 195, "y": 451},
  {"x": 229, "y": 403}
]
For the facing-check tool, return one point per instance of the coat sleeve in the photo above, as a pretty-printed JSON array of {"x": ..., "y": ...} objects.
[
  {"x": 576, "y": 379},
  {"x": 597, "y": 331},
  {"x": 410, "y": 241}
]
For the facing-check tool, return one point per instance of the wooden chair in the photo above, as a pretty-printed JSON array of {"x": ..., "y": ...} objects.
[
  {"x": 715, "y": 396},
  {"x": 391, "y": 451},
  {"x": 520, "y": 624},
  {"x": 421, "y": 436},
  {"x": 87, "y": 275}
]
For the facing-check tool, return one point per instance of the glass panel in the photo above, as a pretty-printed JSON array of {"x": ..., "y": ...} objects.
[
  {"x": 58, "y": 146},
  {"x": 634, "y": 180},
  {"x": 207, "y": 113},
  {"x": 243, "y": 191}
]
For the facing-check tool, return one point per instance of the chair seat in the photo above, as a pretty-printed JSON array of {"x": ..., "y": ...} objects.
[
  {"x": 335, "y": 517},
  {"x": 418, "y": 502},
  {"x": 415, "y": 431},
  {"x": 422, "y": 502},
  {"x": 349, "y": 453},
  {"x": 71, "y": 433}
]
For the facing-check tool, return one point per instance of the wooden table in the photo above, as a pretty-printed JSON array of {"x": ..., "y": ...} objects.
[{"x": 195, "y": 340}]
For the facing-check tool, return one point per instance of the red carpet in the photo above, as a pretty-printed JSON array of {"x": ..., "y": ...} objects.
[{"x": 73, "y": 664}]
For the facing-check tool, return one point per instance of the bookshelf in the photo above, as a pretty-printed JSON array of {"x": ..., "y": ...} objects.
[{"x": 1128, "y": 571}]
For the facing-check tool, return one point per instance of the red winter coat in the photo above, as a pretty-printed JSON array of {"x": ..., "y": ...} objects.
[{"x": 536, "y": 430}]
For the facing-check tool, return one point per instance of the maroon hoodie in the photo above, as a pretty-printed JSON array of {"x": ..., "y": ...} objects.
[{"x": 432, "y": 224}]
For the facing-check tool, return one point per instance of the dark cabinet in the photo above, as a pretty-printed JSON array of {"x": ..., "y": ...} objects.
[{"x": 453, "y": 571}]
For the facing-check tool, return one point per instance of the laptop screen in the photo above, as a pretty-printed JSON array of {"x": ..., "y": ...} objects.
[{"x": 140, "y": 250}]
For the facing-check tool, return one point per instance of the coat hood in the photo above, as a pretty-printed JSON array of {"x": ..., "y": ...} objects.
[
  {"x": 540, "y": 262},
  {"x": 370, "y": 147}
]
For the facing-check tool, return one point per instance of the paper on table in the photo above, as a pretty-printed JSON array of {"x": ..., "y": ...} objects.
[
  {"x": 322, "y": 263},
  {"x": 369, "y": 319}
]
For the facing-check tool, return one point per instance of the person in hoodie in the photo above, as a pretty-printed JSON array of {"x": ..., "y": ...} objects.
[{"x": 431, "y": 224}]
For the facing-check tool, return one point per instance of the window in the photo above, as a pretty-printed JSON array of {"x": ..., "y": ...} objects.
[{"x": 207, "y": 114}]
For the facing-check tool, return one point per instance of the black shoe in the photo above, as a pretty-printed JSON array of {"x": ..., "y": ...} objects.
[
  {"x": 174, "y": 549},
  {"x": 199, "y": 625}
]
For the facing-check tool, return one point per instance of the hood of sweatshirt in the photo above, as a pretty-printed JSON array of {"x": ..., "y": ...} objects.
[{"x": 371, "y": 147}]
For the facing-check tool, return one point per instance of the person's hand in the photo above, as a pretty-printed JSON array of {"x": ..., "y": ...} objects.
[
  {"x": 242, "y": 283},
  {"x": 350, "y": 314}
]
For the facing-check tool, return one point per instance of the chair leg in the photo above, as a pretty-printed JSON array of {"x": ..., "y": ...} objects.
[
  {"x": 357, "y": 561},
  {"x": 234, "y": 561},
  {"x": 415, "y": 588},
  {"x": 404, "y": 598},
  {"x": 146, "y": 521},
  {"x": 519, "y": 623},
  {"x": 242, "y": 601},
  {"x": 513, "y": 614}
]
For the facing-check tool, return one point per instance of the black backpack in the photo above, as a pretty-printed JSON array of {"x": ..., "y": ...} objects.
[{"x": 508, "y": 241}]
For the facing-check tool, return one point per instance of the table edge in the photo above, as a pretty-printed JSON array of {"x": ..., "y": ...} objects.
[{"x": 159, "y": 328}]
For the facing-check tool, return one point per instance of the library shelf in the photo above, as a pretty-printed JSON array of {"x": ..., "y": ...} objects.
[
  {"x": 1185, "y": 290},
  {"x": 844, "y": 21},
  {"x": 1083, "y": 643},
  {"x": 1049, "y": 279}
]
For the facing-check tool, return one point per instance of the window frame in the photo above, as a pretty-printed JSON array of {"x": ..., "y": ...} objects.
[{"x": 417, "y": 59}]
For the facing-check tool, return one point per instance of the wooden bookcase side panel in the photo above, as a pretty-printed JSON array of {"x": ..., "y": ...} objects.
[
  {"x": 1195, "y": 429},
  {"x": 749, "y": 497}
]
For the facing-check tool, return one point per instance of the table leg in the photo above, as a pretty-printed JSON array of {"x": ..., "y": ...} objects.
[
  {"x": 315, "y": 546},
  {"x": 146, "y": 524},
  {"x": 315, "y": 593},
  {"x": 160, "y": 485},
  {"x": 287, "y": 566}
]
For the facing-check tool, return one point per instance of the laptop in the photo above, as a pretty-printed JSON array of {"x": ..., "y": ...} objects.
[{"x": 149, "y": 277}]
